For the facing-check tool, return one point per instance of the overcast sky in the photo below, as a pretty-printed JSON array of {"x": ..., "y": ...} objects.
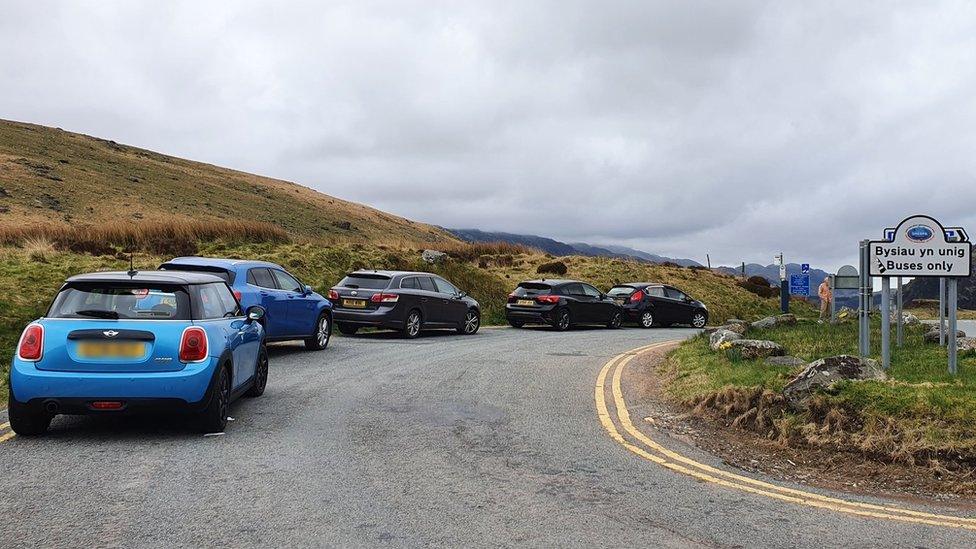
[{"x": 734, "y": 128}]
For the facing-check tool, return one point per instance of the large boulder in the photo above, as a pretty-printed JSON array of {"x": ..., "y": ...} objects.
[
  {"x": 433, "y": 256},
  {"x": 966, "y": 345},
  {"x": 756, "y": 348},
  {"x": 932, "y": 336},
  {"x": 738, "y": 326},
  {"x": 787, "y": 319},
  {"x": 910, "y": 320},
  {"x": 720, "y": 337},
  {"x": 823, "y": 373},
  {"x": 789, "y": 361}
]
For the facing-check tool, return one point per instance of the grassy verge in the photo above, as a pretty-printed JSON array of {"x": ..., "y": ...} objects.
[{"x": 922, "y": 414}]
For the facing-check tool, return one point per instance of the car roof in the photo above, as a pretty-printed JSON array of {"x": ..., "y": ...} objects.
[
  {"x": 552, "y": 281},
  {"x": 148, "y": 277},
  {"x": 641, "y": 284},
  {"x": 390, "y": 274},
  {"x": 224, "y": 263}
]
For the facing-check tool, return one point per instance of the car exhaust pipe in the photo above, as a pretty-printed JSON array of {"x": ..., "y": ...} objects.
[{"x": 51, "y": 406}]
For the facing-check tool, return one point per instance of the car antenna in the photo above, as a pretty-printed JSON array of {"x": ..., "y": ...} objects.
[{"x": 132, "y": 270}]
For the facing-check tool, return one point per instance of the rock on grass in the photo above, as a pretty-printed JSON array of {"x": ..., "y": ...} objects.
[
  {"x": 756, "y": 348},
  {"x": 823, "y": 373}
]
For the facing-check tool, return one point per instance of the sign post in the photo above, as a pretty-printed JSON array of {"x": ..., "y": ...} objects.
[
  {"x": 921, "y": 247},
  {"x": 784, "y": 290},
  {"x": 942, "y": 311},
  {"x": 864, "y": 310}
]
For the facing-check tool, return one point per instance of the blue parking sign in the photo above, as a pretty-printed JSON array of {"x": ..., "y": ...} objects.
[
  {"x": 800, "y": 284},
  {"x": 805, "y": 268}
]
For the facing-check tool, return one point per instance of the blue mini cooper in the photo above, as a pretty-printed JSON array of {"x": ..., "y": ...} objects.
[
  {"x": 294, "y": 310},
  {"x": 116, "y": 343}
]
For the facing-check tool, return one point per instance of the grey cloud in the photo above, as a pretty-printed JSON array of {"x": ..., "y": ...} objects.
[{"x": 682, "y": 128}]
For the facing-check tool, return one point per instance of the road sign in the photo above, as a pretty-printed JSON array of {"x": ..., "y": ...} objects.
[
  {"x": 847, "y": 278},
  {"x": 800, "y": 284},
  {"x": 805, "y": 268},
  {"x": 920, "y": 248},
  {"x": 953, "y": 234}
]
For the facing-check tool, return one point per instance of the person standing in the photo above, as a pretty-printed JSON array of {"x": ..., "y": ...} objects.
[{"x": 826, "y": 296}]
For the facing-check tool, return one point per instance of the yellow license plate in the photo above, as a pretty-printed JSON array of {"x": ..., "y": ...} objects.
[
  {"x": 525, "y": 303},
  {"x": 111, "y": 349},
  {"x": 354, "y": 303}
]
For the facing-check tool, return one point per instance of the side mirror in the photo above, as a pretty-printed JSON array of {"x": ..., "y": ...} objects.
[
  {"x": 603, "y": 296},
  {"x": 462, "y": 295},
  {"x": 255, "y": 313},
  {"x": 307, "y": 290}
]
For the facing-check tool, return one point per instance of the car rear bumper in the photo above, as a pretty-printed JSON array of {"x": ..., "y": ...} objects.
[
  {"x": 529, "y": 316},
  {"x": 185, "y": 388},
  {"x": 378, "y": 318}
]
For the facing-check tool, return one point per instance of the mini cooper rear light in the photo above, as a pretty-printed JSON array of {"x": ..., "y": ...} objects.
[
  {"x": 106, "y": 405},
  {"x": 384, "y": 298},
  {"x": 333, "y": 295},
  {"x": 193, "y": 345},
  {"x": 637, "y": 296},
  {"x": 547, "y": 299},
  {"x": 31, "y": 343}
]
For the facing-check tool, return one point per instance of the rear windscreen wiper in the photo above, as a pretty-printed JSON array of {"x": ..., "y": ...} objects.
[{"x": 98, "y": 313}]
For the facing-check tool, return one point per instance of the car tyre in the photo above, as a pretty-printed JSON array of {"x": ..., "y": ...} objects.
[
  {"x": 323, "y": 333},
  {"x": 213, "y": 418},
  {"x": 616, "y": 319},
  {"x": 260, "y": 375},
  {"x": 562, "y": 321},
  {"x": 700, "y": 319},
  {"x": 471, "y": 323},
  {"x": 413, "y": 324},
  {"x": 647, "y": 319},
  {"x": 516, "y": 323},
  {"x": 24, "y": 421},
  {"x": 347, "y": 329}
]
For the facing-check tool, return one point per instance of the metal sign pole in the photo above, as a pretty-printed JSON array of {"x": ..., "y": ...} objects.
[
  {"x": 885, "y": 322},
  {"x": 953, "y": 343},
  {"x": 864, "y": 321},
  {"x": 942, "y": 311},
  {"x": 833, "y": 299},
  {"x": 900, "y": 320}
]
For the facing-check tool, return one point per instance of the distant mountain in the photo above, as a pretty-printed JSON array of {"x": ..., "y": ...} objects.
[
  {"x": 928, "y": 288},
  {"x": 558, "y": 248}
]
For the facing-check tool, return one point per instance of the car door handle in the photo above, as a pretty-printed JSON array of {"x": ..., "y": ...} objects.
[{"x": 423, "y": 300}]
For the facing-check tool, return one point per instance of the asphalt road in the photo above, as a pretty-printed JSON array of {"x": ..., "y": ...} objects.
[{"x": 491, "y": 440}]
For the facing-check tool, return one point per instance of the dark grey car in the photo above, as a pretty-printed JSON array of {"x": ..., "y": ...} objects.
[{"x": 404, "y": 301}]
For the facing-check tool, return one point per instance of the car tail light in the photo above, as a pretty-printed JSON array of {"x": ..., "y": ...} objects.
[
  {"x": 106, "y": 405},
  {"x": 238, "y": 295},
  {"x": 636, "y": 296},
  {"x": 384, "y": 298},
  {"x": 333, "y": 295},
  {"x": 193, "y": 345},
  {"x": 547, "y": 299},
  {"x": 31, "y": 343}
]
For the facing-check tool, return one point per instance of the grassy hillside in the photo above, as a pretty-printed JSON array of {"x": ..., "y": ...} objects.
[{"x": 49, "y": 176}]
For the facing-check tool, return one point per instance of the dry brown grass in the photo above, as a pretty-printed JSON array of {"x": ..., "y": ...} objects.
[{"x": 156, "y": 236}]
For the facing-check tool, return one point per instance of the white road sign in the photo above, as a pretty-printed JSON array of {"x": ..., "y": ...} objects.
[{"x": 919, "y": 248}]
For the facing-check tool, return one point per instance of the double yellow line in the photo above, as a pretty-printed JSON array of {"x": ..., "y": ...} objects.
[
  {"x": 5, "y": 432},
  {"x": 642, "y": 445}
]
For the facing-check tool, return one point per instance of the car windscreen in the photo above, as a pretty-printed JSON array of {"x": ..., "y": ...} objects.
[
  {"x": 532, "y": 289},
  {"x": 227, "y": 276},
  {"x": 621, "y": 291},
  {"x": 365, "y": 281},
  {"x": 128, "y": 301}
]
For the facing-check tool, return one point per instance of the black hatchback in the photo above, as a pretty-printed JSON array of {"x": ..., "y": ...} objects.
[
  {"x": 561, "y": 304},
  {"x": 649, "y": 304},
  {"x": 404, "y": 301}
]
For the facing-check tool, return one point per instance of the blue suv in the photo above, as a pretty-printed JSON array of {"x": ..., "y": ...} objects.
[
  {"x": 117, "y": 343},
  {"x": 294, "y": 311}
]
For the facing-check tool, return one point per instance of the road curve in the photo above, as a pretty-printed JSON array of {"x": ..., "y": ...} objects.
[{"x": 491, "y": 440}]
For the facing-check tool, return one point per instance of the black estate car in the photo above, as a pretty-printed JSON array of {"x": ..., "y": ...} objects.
[
  {"x": 405, "y": 301},
  {"x": 561, "y": 304},
  {"x": 650, "y": 304}
]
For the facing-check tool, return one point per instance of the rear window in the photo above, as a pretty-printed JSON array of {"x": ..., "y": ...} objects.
[
  {"x": 226, "y": 275},
  {"x": 621, "y": 291},
  {"x": 366, "y": 282},
  {"x": 532, "y": 289},
  {"x": 121, "y": 301}
]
